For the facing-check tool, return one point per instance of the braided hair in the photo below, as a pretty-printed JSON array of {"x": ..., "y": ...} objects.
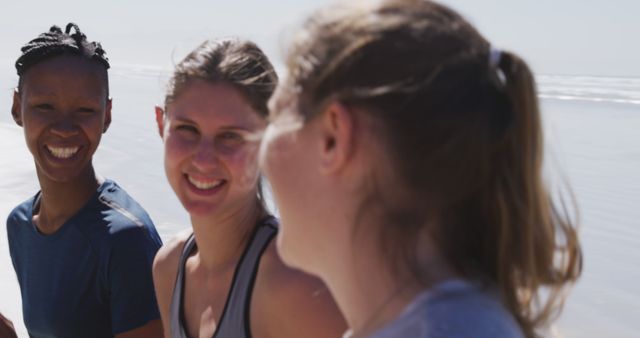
[{"x": 55, "y": 43}]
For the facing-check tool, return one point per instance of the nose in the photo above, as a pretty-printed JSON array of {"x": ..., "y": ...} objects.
[
  {"x": 205, "y": 156},
  {"x": 65, "y": 127}
]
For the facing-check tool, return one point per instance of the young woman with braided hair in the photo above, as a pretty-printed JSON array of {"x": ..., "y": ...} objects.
[
  {"x": 405, "y": 156},
  {"x": 82, "y": 248}
]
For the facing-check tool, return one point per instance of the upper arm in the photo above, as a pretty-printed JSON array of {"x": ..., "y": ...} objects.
[
  {"x": 310, "y": 311},
  {"x": 294, "y": 304},
  {"x": 12, "y": 239},
  {"x": 165, "y": 269},
  {"x": 130, "y": 283}
]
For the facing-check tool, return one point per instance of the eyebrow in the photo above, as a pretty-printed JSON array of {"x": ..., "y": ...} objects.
[
  {"x": 80, "y": 100},
  {"x": 41, "y": 95},
  {"x": 236, "y": 128},
  {"x": 184, "y": 120},
  {"x": 228, "y": 127}
]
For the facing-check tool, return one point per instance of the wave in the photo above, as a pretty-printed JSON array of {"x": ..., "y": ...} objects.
[
  {"x": 140, "y": 71},
  {"x": 587, "y": 98},
  {"x": 624, "y": 90}
]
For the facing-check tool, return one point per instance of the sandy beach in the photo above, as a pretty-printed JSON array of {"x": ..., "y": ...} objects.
[{"x": 593, "y": 143}]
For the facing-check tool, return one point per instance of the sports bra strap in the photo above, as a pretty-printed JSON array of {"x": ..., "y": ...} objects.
[{"x": 234, "y": 321}]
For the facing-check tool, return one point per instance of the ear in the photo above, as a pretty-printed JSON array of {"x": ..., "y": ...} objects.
[
  {"x": 160, "y": 120},
  {"x": 16, "y": 108},
  {"x": 107, "y": 116},
  {"x": 338, "y": 134}
]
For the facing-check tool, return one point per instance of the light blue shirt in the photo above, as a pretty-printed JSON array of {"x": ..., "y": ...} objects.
[{"x": 453, "y": 309}]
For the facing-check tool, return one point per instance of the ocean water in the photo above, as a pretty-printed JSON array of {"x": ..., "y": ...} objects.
[
  {"x": 596, "y": 147},
  {"x": 593, "y": 144}
]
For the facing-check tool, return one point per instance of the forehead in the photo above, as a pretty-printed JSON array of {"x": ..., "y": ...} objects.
[
  {"x": 65, "y": 74},
  {"x": 213, "y": 104}
]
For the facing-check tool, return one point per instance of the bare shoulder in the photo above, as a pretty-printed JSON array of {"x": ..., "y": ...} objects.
[
  {"x": 167, "y": 258},
  {"x": 165, "y": 269},
  {"x": 290, "y": 303}
]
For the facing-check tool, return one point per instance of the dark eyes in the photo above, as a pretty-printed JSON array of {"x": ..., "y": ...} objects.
[
  {"x": 227, "y": 139},
  {"x": 86, "y": 110},
  {"x": 44, "y": 106},
  {"x": 231, "y": 136},
  {"x": 187, "y": 128},
  {"x": 50, "y": 107},
  {"x": 227, "y": 135}
]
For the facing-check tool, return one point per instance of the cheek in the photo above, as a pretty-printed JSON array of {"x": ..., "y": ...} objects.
[
  {"x": 33, "y": 126},
  {"x": 288, "y": 174},
  {"x": 287, "y": 171},
  {"x": 93, "y": 127},
  {"x": 175, "y": 151},
  {"x": 287, "y": 158},
  {"x": 31, "y": 131},
  {"x": 243, "y": 165},
  {"x": 263, "y": 152},
  {"x": 274, "y": 150},
  {"x": 177, "y": 147}
]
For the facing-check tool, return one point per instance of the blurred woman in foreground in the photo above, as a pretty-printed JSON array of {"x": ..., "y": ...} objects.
[{"x": 405, "y": 155}]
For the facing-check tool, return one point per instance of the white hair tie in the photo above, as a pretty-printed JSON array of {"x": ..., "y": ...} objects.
[{"x": 495, "y": 56}]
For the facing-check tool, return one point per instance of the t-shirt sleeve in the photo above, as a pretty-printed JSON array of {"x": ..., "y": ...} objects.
[
  {"x": 15, "y": 241},
  {"x": 10, "y": 240},
  {"x": 132, "y": 296}
]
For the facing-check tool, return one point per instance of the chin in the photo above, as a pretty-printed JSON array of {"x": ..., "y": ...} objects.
[
  {"x": 200, "y": 209},
  {"x": 60, "y": 176},
  {"x": 290, "y": 253}
]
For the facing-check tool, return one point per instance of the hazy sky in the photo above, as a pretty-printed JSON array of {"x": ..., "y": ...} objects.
[{"x": 590, "y": 37}]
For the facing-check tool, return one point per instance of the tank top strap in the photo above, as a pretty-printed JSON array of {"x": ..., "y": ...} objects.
[
  {"x": 175, "y": 309},
  {"x": 235, "y": 316},
  {"x": 234, "y": 321}
]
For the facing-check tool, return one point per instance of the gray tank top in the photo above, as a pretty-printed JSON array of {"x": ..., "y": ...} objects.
[{"x": 234, "y": 321}]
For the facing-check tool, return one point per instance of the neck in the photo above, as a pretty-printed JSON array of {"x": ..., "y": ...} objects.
[
  {"x": 59, "y": 201},
  {"x": 369, "y": 293},
  {"x": 222, "y": 238}
]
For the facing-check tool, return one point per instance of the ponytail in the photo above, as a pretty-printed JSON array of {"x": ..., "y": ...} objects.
[{"x": 537, "y": 246}]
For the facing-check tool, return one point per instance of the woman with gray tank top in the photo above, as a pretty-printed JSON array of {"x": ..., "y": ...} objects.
[{"x": 224, "y": 278}]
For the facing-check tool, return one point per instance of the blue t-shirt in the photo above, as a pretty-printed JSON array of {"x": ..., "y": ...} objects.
[
  {"x": 453, "y": 309},
  {"x": 92, "y": 277}
]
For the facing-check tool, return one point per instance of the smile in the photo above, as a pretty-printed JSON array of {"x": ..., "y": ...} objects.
[
  {"x": 63, "y": 152},
  {"x": 205, "y": 185}
]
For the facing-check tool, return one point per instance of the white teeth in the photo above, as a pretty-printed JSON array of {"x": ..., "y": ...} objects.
[
  {"x": 204, "y": 185},
  {"x": 63, "y": 152}
]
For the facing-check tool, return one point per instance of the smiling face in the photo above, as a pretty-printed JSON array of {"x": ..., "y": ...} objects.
[
  {"x": 211, "y": 137},
  {"x": 63, "y": 108}
]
